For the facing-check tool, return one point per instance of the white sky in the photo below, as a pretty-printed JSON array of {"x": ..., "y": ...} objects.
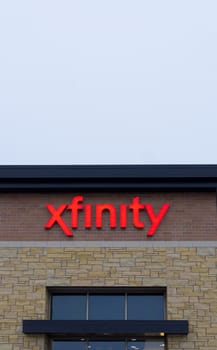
[{"x": 113, "y": 81}]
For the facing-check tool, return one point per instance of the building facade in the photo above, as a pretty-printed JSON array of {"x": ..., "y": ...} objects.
[{"x": 108, "y": 257}]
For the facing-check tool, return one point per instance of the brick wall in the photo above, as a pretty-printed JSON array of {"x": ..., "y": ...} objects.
[{"x": 192, "y": 216}]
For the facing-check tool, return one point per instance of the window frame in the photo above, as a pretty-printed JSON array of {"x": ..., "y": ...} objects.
[{"x": 106, "y": 291}]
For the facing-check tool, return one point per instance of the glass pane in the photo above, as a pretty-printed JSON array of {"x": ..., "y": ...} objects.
[
  {"x": 146, "y": 345},
  {"x": 106, "y": 307},
  {"x": 69, "y": 345},
  {"x": 106, "y": 345},
  {"x": 145, "y": 307},
  {"x": 109, "y": 345},
  {"x": 69, "y": 307}
]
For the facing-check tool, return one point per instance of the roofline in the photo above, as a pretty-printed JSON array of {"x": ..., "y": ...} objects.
[{"x": 108, "y": 177}]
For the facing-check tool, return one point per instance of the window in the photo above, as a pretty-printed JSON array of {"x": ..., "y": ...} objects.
[
  {"x": 98, "y": 306},
  {"x": 111, "y": 304},
  {"x": 106, "y": 307},
  {"x": 69, "y": 307},
  {"x": 149, "y": 344},
  {"x": 145, "y": 307}
]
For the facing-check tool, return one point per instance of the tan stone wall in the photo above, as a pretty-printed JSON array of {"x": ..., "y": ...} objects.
[{"x": 189, "y": 274}]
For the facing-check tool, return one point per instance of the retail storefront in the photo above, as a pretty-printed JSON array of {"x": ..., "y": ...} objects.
[{"x": 108, "y": 257}]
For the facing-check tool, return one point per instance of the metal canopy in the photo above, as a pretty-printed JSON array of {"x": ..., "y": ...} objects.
[{"x": 102, "y": 327}]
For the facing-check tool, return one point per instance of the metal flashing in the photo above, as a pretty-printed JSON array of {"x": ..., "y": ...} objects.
[{"x": 108, "y": 177}]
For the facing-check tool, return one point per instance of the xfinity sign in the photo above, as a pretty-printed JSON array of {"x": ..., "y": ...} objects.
[{"x": 119, "y": 216}]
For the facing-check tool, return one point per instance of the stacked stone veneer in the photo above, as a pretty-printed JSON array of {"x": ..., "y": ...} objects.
[{"x": 188, "y": 273}]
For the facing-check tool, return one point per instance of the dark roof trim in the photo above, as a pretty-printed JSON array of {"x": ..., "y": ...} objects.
[
  {"x": 107, "y": 171},
  {"x": 97, "y": 328},
  {"x": 108, "y": 177}
]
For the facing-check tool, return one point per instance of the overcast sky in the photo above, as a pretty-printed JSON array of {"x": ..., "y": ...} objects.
[{"x": 113, "y": 81}]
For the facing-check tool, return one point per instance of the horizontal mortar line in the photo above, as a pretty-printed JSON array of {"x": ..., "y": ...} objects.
[{"x": 121, "y": 244}]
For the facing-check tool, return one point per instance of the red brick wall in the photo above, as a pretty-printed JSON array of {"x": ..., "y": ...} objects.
[{"x": 192, "y": 216}]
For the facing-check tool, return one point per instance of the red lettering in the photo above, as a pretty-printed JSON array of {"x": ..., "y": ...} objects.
[
  {"x": 136, "y": 206},
  {"x": 77, "y": 205},
  {"x": 74, "y": 207},
  {"x": 56, "y": 218},
  {"x": 123, "y": 215},
  {"x": 155, "y": 219},
  {"x": 99, "y": 211},
  {"x": 87, "y": 216}
]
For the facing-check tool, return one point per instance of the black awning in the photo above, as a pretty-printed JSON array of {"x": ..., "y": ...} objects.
[{"x": 102, "y": 327}]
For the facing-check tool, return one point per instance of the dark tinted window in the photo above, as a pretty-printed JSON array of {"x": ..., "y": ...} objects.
[
  {"x": 105, "y": 345},
  {"x": 69, "y": 307},
  {"x": 69, "y": 345},
  {"x": 146, "y": 345},
  {"x": 145, "y": 307},
  {"x": 106, "y": 307},
  {"x": 152, "y": 344}
]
